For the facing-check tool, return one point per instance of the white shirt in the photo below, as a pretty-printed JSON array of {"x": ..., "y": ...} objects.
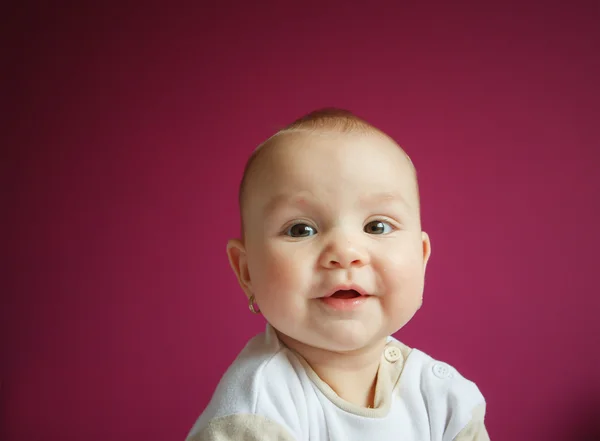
[{"x": 271, "y": 393}]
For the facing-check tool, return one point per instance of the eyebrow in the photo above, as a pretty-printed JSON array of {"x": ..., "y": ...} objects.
[
  {"x": 384, "y": 197},
  {"x": 286, "y": 198},
  {"x": 303, "y": 200}
]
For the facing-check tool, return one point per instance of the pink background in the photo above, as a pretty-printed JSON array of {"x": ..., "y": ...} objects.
[{"x": 128, "y": 131}]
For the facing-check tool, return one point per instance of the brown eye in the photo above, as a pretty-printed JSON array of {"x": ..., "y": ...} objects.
[
  {"x": 378, "y": 227},
  {"x": 300, "y": 230}
]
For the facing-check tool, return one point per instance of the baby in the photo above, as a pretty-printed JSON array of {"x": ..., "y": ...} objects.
[{"x": 332, "y": 254}]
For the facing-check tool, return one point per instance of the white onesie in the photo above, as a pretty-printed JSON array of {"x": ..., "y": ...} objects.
[{"x": 271, "y": 393}]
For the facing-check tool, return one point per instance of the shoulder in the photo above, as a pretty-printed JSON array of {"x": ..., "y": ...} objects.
[
  {"x": 449, "y": 400},
  {"x": 264, "y": 380},
  {"x": 241, "y": 427}
]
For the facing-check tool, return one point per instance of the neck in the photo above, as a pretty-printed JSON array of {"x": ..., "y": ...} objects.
[{"x": 352, "y": 375}]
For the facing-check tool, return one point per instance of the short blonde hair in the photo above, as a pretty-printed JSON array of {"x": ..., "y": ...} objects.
[{"x": 328, "y": 119}]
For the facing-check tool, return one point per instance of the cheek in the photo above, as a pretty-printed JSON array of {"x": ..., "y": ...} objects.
[
  {"x": 280, "y": 284},
  {"x": 401, "y": 266},
  {"x": 401, "y": 279},
  {"x": 274, "y": 271}
]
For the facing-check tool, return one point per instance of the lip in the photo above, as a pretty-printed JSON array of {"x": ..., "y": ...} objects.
[
  {"x": 340, "y": 304},
  {"x": 337, "y": 288}
]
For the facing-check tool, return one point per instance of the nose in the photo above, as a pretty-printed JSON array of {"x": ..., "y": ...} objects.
[{"x": 343, "y": 251}]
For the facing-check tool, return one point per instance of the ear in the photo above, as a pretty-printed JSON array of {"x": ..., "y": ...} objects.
[
  {"x": 426, "y": 249},
  {"x": 236, "y": 252}
]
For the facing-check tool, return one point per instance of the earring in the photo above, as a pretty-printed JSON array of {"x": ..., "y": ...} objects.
[{"x": 251, "y": 303}]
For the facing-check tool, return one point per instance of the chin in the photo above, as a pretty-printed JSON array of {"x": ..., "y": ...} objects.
[{"x": 349, "y": 342}]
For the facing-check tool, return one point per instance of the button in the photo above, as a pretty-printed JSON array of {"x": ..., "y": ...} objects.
[
  {"x": 392, "y": 354},
  {"x": 442, "y": 370}
]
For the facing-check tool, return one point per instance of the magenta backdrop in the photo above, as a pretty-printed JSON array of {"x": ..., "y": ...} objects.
[{"x": 129, "y": 129}]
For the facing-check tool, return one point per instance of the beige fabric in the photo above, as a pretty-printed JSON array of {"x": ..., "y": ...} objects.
[
  {"x": 251, "y": 427},
  {"x": 475, "y": 430},
  {"x": 387, "y": 378},
  {"x": 242, "y": 427}
]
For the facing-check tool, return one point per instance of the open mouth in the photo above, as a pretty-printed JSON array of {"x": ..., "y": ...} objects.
[
  {"x": 346, "y": 294},
  {"x": 345, "y": 300}
]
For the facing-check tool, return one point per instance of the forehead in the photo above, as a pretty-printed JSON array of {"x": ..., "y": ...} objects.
[{"x": 330, "y": 166}]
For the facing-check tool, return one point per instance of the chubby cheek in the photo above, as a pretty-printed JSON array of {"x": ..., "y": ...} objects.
[
  {"x": 277, "y": 276},
  {"x": 401, "y": 281}
]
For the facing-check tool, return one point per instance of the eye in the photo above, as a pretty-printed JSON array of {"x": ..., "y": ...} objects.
[
  {"x": 378, "y": 227},
  {"x": 300, "y": 230}
]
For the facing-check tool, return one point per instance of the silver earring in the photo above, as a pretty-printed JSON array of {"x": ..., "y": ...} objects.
[{"x": 251, "y": 305}]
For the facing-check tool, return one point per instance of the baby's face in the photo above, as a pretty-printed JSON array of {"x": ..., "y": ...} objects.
[{"x": 327, "y": 214}]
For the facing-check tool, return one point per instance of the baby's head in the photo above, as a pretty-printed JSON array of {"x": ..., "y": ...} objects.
[{"x": 332, "y": 249}]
